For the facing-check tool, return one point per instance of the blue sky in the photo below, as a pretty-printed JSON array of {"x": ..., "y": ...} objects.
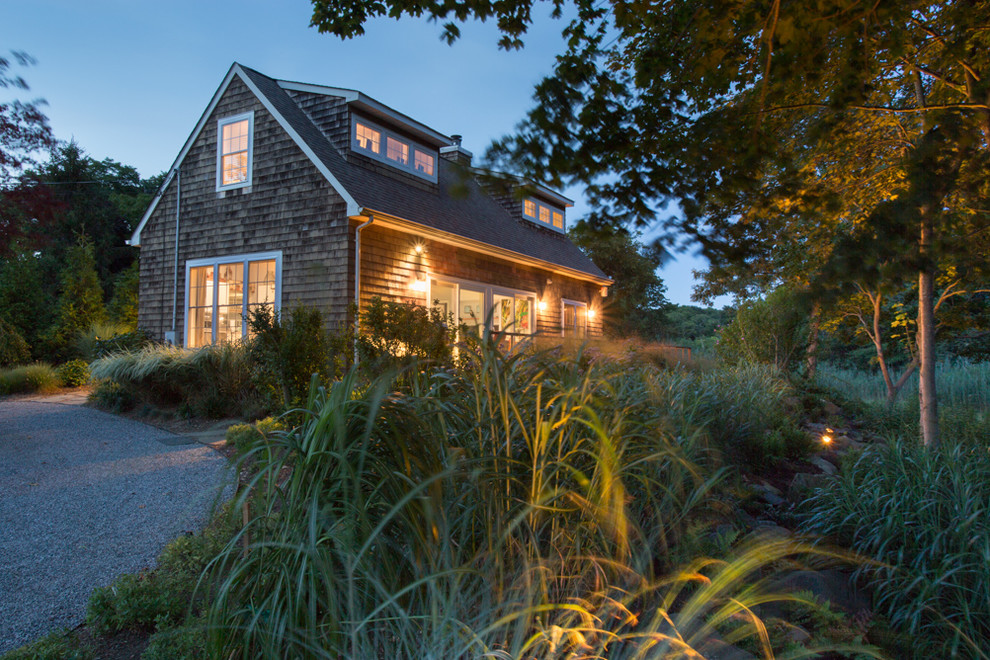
[{"x": 128, "y": 79}]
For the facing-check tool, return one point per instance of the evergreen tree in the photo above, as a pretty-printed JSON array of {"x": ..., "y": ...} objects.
[{"x": 80, "y": 303}]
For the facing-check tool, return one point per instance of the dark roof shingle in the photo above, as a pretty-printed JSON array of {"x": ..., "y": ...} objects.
[{"x": 461, "y": 206}]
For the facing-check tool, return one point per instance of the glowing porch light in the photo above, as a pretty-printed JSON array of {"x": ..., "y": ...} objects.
[
  {"x": 418, "y": 248},
  {"x": 418, "y": 282},
  {"x": 542, "y": 305},
  {"x": 591, "y": 313}
]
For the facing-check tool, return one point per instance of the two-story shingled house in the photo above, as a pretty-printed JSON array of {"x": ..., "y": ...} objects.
[{"x": 295, "y": 194}]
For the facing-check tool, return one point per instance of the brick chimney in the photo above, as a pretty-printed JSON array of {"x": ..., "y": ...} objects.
[{"x": 456, "y": 153}]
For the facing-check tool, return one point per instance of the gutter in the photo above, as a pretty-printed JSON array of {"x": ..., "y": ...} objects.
[{"x": 357, "y": 282}]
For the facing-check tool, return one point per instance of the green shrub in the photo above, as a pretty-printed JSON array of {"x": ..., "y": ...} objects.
[
  {"x": 38, "y": 377},
  {"x": 112, "y": 396},
  {"x": 13, "y": 349},
  {"x": 213, "y": 381},
  {"x": 185, "y": 642},
  {"x": 395, "y": 332},
  {"x": 163, "y": 596},
  {"x": 770, "y": 331},
  {"x": 921, "y": 515},
  {"x": 57, "y": 645},
  {"x": 242, "y": 436},
  {"x": 286, "y": 351},
  {"x": 102, "y": 339},
  {"x": 73, "y": 373}
]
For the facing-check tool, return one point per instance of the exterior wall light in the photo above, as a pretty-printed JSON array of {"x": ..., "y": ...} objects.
[
  {"x": 542, "y": 305},
  {"x": 418, "y": 282},
  {"x": 591, "y": 313},
  {"x": 419, "y": 248}
]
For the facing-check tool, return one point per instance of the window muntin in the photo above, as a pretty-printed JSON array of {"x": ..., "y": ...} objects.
[
  {"x": 543, "y": 214},
  {"x": 368, "y": 138},
  {"x": 217, "y": 308},
  {"x": 424, "y": 162},
  {"x": 397, "y": 151},
  {"x": 574, "y": 319},
  {"x": 235, "y": 144},
  {"x": 393, "y": 149}
]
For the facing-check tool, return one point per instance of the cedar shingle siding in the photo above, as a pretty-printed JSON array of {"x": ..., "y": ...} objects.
[{"x": 292, "y": 206}]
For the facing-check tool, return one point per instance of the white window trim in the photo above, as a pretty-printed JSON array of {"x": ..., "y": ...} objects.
[
  {"x": 382, "y": 157},
  {"x": 490, "y": 290},
  {"x": 536, "y": 218},
  {"x": 233, "y": 119},
  {"x": 232, "y": 259},
  {"x": 576, "y": 303}
]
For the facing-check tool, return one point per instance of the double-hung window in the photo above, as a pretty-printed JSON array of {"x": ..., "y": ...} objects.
[
  {"x": 222, "y": 292},
  {"x": 235, "y": 144}
]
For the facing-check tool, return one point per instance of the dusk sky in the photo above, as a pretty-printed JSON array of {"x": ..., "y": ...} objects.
[{"x": 128, "y": 80}]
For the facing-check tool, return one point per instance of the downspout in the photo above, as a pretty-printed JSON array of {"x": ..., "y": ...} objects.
[
  {"x": 175, "y": 269},
  {"x": 357, "y": 283}
]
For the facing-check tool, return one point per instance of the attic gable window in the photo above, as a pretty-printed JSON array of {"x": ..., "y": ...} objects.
[
  {"x": 393, "y": 149},
  {"x": 543, "y": 214},
  {"x": 235, "y": 144}
]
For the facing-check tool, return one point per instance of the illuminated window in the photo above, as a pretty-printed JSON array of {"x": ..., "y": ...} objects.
[
  {"x": 472, "y": 305},
  {"x": 424, "y": 162},
  {"x": 575, "y": 319},
  {"x": 368, "y": 138},
  {"x": 398, "y": 151},
  {"x": 221, "y": 294},
  {"x": 234, "y": 147},
  {"x": 543, "y": 213},
  {"x": 395, "y": 150}
]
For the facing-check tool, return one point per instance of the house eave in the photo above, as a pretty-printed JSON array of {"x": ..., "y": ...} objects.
[{"x": 409, "y": 227}]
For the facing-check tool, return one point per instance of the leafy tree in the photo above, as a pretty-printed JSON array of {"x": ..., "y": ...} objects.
[
  {"x": 760, "y": 119},
  {"x": 692, "y": 322},
  {"x": 25, "y": 303},
  {"x": 768, "y": 330},
  {"x": 24, "y": 128},
  {"x": 13, "y": 349},
  {"x": 80, "y": 303},
  {"x": 636, "y": 303}
]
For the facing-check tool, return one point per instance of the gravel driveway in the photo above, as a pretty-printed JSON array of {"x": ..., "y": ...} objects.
[{"x": 84, "y": 497}]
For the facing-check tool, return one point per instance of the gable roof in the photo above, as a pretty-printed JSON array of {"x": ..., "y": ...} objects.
[{"x": 460, "y": 208}]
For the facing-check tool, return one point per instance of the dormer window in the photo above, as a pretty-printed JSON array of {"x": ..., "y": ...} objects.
[
  {"x": 368, "y": 138},
  {"x": 543, "y": 214},
  {"x": 393, "y": 149},
  {"x": 235, "y": 144},
  {"x": 425, "y": 163}
]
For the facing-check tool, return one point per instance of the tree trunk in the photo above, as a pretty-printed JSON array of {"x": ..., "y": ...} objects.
[
  {"x": 927, "y": 401},
  {"x": 811, "y": 354}
]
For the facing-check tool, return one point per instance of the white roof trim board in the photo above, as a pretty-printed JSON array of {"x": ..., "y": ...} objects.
[{"x": 352, "y": 206}]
